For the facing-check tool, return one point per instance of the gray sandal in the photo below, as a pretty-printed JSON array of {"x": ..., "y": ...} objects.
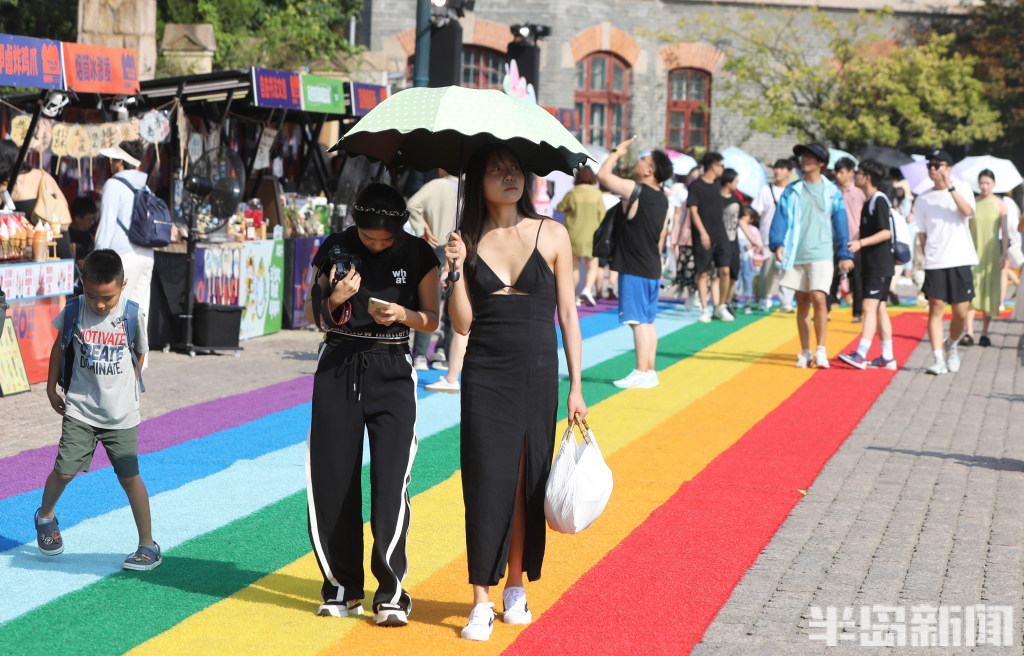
[{"x": 144, "y": 558}]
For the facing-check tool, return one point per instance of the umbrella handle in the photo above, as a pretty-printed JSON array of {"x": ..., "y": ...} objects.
[{"x": 453, "y": 275}]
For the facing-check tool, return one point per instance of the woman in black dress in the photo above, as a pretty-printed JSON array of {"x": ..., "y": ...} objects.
[{"x": 516, "y": 269}]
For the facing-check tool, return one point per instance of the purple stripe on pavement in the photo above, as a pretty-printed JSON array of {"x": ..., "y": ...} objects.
[{"x": 28, "y": 470}]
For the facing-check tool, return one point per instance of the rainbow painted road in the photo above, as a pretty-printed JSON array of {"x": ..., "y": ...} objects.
[{"x": 707, "y": 467}]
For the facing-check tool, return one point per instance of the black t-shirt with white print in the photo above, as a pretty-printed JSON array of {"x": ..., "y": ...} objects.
[{"x": 393, "y": 275}]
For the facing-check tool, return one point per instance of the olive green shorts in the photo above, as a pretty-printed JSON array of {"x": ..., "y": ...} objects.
[{"x": 78, "y": 442}]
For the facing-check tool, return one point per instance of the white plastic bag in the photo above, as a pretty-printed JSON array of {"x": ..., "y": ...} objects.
[{"x": 579, "y": 485}]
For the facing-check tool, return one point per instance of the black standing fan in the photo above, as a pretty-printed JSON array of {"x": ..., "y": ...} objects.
[{"x": 215, "y": 184}]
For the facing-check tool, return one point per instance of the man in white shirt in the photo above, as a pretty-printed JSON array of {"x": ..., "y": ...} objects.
[
  {"x": 943, "y": 217},
  {"x": 116, "y": 206},
  {"x": 764, "y": 204}
]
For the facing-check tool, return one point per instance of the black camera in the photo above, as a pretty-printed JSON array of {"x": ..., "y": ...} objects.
[{"x": 343, "y": 260}]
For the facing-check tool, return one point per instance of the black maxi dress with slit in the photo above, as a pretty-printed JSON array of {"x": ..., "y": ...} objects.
[{"x": 509, "y": 401}]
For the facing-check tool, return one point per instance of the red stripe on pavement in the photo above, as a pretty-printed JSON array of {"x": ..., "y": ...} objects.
[{"x": 663, "y": 585}]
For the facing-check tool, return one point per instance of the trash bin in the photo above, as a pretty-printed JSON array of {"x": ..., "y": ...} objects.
[{"x": 216, "y": 326}]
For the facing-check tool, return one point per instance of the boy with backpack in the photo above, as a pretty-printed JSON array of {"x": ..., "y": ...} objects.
[
  {"x": 877, "y": 263},
  {"x": 96, "y": 359}
]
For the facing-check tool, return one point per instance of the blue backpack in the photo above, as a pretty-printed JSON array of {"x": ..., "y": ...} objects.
[
  {"x": 151, "y": 220},
  {"x": 72, "y": 321}
]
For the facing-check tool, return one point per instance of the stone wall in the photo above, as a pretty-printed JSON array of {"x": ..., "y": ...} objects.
[
  {"x": 121, "y": 24},
  {"x": 627, "y": 28}
]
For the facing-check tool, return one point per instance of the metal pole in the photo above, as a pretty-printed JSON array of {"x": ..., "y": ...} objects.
[{"x": 421, "y": 58}]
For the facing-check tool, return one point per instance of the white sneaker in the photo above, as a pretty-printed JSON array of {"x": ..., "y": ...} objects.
[
  {"x": 481, "y": 622},
  {"x": 390, "y": 615},
  {"x": 587, "y": 297},
  {"x": 419, "y": 363},
  {"x": 803, "y": 360},
  {"x": 443, "y": 385},
  {"x": 648, "y": 379},
  {"x": 821, "y": 359},
  {"x": 705, "y": 316},
  {"x": 516, "y": 610},
  {"x": 334, "y": 608},
  {"x": 766, "y": 306},
  {"x": 937, "y": 369},
  {"x": 952, "y": 357},
  {"x": 629, "y": 381},
  {"x": 722, "y": 312}
]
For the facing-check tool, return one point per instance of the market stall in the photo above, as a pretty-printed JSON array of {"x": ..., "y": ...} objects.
[
  {"x": 32, "y": 277},
  {"x": 241, "y": 154}
]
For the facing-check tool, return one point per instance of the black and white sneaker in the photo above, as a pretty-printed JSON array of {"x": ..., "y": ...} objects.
[
  {"x": 481, "y": 623},
  {"x": 516, "y": 610},
  {"x": 336, "y": 608},
  {"x": 390, "y": 615}
]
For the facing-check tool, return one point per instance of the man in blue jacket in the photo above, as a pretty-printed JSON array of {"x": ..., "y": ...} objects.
[{"x": 808, "y": 228}]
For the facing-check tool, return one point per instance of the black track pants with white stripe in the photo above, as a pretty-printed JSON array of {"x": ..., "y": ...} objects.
[{"x": 361, "y": 384}]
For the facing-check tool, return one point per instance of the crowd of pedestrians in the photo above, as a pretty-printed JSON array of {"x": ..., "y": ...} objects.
[{"x": 813, "y": 236}]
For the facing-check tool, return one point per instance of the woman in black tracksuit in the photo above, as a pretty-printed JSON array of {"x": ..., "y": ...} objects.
[{"x": 364, "y": 378}]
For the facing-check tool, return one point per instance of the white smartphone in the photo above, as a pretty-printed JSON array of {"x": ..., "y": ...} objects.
[{"x": 377, "y": 304}]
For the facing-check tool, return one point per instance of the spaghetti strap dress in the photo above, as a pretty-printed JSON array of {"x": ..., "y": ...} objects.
[{"x": 509, "y": 402}]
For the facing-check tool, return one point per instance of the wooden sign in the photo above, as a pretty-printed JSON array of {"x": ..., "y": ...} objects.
[{"x": 13, "y": 377}]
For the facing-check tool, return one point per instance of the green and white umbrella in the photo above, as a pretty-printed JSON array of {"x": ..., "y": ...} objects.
[{"x": 427, "y": 128}]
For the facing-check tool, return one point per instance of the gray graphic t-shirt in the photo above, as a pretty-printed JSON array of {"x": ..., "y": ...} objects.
[{"x": 106, "y": 394}]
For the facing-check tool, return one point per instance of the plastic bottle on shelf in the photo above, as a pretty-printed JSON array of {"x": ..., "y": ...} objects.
[{"x": 39, "y": 243}]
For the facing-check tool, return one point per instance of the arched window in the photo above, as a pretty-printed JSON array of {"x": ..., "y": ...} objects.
[
  {"x": 602, "y": 94},
  {"x": 689, "y": 108},
  {"x": 482, "y": 68}
]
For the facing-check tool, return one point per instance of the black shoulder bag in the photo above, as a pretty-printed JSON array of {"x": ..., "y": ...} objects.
[{"x": 604, "y": 236}]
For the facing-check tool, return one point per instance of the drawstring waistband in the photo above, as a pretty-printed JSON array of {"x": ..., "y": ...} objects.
[{"x": 356, "y": 365}]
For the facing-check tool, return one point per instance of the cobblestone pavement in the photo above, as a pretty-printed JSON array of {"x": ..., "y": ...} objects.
[
  {"x": 920, "y": 506},
  {"x": 175, "y": 381}
]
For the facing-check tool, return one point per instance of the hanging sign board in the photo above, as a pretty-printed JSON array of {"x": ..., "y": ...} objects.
[
  {"x": 262, "y": 159},
  {"x": 98, "y": 69},
  {"x": 323, "y": 94},
  {"x": 280, "y": 89},
  {"x": 365, "y": 97},
  {"x": 28, "y": 62},
  {"x": 13, "y": 377}
]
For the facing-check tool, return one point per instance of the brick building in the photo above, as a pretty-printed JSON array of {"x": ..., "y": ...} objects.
[{"x": 606, "y": 59}]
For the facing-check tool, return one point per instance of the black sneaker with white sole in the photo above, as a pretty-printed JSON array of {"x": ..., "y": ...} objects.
[
  {"x": 334, "y": 608},
  {"x": 391, "y": 615}
]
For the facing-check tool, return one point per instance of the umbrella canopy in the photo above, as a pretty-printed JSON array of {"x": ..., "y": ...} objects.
[
  {"x": 429, "y": 128},
  {"x": 834, "y": 155},
  {"x": 752, "y": 175},
  {"x": 598, "y": 154},
  {"x": 888, "y": 157},
  {"x": 916, "y": 173},
  {"x": 682, "y": 163},
  {"x": 1006, "y": 174}
]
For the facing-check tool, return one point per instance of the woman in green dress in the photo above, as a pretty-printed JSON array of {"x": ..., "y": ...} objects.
[
  {"x": 990, "y": 241},
  {"x": 584, "y": 208}
]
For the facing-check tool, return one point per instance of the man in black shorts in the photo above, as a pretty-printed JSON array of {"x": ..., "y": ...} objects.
[
  {"x": 943, "y": 217},
  {"x": 874, "y": 242},
  {"x": 711, "y": 246}
]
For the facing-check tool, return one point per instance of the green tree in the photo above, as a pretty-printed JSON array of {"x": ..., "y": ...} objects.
[
  {"x": 990, "y": 32},
  {"x": 918, "y": 95},
  {"x": 847, "y": 84},
  {"x": 43, "y": 19},
  {"x": 284, "y": 34}
]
